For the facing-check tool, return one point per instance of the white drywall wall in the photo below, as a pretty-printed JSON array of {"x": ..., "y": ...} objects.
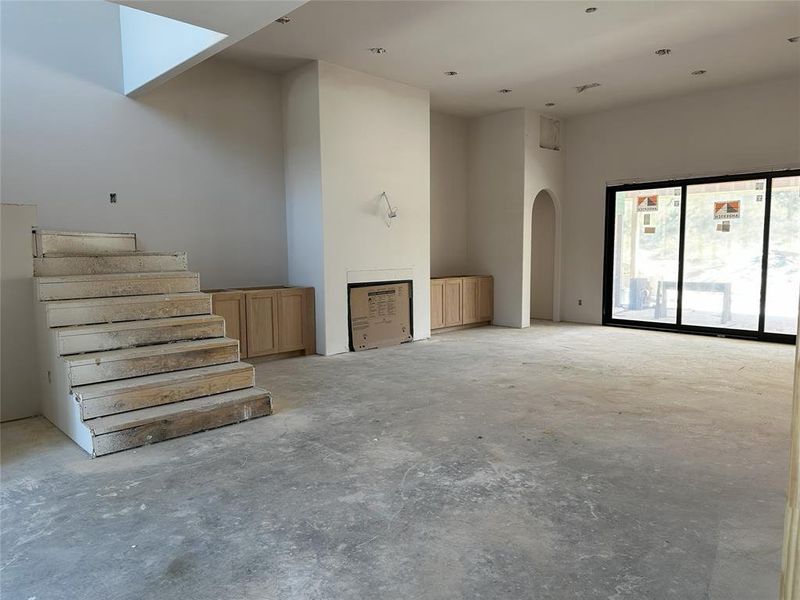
[
  {"x": 448, "y": 195},
  {"x": 197, "y": 164},
  {"x": 745, "y": 128},
  {"x": 496, "y": 208},
  {"x": 544, "y": 171},
  {"x": 375, "y": 137},
  {"x": 19, "y": 386},
  {"x": 506, "y": 171},
  {"x": 303, "y": 164}
]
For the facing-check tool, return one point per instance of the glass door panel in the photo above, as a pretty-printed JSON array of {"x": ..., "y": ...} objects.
[
  {"x": 646, "y": 245},
  {"x": 783, "y": 265},
  {"x": 723, "y": 251}
]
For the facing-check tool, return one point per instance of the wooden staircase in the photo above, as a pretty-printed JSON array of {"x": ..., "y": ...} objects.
[{"x": 129, "y": 350}]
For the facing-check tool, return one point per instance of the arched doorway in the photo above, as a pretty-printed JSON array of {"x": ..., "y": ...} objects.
[{"x": 543, "y": 257}]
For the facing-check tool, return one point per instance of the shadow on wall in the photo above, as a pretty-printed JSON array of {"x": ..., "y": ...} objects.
[{"x": 78, "y": 38}]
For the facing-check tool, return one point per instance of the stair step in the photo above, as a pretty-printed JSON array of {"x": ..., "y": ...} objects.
[
  {"x": 69, "y": 287},
  {"x": 102, "y": 399},
  {"x": 95, "y": 367},
  {"x": 112, "y": 336},
  {"x": 49, "y": 241},
  {"x": 111, "y": 262},
  {"x": 62, "y": 313},
  {"x": 149, "y": 425}
]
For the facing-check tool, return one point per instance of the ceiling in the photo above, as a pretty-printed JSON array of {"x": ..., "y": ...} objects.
[{"x": 541, "y": 50}]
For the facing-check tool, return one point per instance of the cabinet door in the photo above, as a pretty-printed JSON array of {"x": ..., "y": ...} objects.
[
  {"x": 291, "y": 317},
  {"x": 485, "y": 298},
  {"x": 231, "y": 307},
  {"x": 262, "y": 322},
  {"x": 470, "y": 300},
  {"x": 452, "y": 302},
  {"x": 437, "y": 304}
]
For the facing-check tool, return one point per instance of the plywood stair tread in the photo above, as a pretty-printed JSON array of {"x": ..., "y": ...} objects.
[
  {"x": 110, "y": 254},
  {"x": 99, "y": 358},
  {"x": 136, "y": 325},
  {"x": 83, "y": 233},
  {"x": 177, "y": 410},
  {"x": 115, "y": 276},
  {"x": 117, "y": 300},
  {"x": 139, "y": 384}
]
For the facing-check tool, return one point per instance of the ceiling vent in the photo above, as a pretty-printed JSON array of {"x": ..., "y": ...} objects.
[{"x": 586, "y": 86}]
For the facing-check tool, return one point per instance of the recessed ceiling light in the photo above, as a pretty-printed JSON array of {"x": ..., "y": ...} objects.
[
  {"x": 451, "y": 73},
  {"x": 504, "y": 91},
  {"x": 663, "y": 51},
  {"x": 699, "y": 72},
  {"x": 283, "y": 20},
  {"x": 586, "y": 86},
  {"x": 591, "y": 9},
  {"x": 378, "y": 50},
  {"x": 549, "y": 103},
  {"x": 794, "y": 39}
]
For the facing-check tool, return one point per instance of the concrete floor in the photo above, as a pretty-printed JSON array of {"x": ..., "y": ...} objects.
[{"x": 558, "y": 462}]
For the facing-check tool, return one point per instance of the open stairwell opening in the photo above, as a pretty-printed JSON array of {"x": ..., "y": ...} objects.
[{"x": 129, "y": 349}]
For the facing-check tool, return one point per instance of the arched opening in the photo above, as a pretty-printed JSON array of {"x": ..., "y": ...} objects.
[{"x": 543, "y": 257}]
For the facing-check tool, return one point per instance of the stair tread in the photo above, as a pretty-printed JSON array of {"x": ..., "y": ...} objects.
[
  {"x": 98, "y": 358},
  {"x": 83, "y": 233},
  {"x": 126, "y": 299},
  {"x": 134, "y": 325},
  {"x": 95, "y": 390},
  {"x": 115, "y": 276},
  {"x": 135, "y": 418},
  {"x": 110, "y": 254}
]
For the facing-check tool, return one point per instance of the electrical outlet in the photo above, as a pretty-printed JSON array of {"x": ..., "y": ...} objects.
[
  {"x": 580, "y": 301},
  {"x": 113, "y": 198}
]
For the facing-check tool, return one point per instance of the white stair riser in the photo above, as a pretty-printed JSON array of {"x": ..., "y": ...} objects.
[
  {"x": 71, "y": 242},
  {"x": 50, "y": 266},
  {"x": 181, "y": 424},
  {"x": 124, "y": 401},
  {"x": 60, "y": 315},
  {"x": 73, "y": 342},
  {"x": 148, "y": 365},
  {"x": 117, "y": 287}
]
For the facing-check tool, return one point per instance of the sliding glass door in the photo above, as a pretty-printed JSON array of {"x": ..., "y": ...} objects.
[
  {"x": 723, "y": 248},
  {"x": 718, "y": 255},
  {"x": 783, "y": 263},
  {"x": 646, "y": 236}
]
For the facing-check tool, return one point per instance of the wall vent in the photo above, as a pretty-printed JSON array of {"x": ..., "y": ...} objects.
[{"x": 549, "y": 133}]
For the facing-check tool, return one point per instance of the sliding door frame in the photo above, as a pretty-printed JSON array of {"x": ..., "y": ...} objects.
[{"x": 678, "y": 326}]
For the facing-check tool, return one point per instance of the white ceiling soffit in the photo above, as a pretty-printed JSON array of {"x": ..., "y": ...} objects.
[
  {"x": 157, "y": 49},
  {"x": 540, "y": 50}
]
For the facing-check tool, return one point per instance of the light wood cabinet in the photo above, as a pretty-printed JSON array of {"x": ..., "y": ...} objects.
[
  {"x": 485, "y": 298},
  {"x": 231, "y": 307},
  {"x": 262, "y": 322},
  {"x": 268, "y": 320},
  {"x": 437, "y": 303},
  {"x": 293, "y": 320},
  {"x": 453, "y": 289},
  {"x": 461, "y": 301},
  {"x": 470, "y": 301}
]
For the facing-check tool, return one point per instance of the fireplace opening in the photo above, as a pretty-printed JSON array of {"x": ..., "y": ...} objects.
[{"x": 380, "y": 314}]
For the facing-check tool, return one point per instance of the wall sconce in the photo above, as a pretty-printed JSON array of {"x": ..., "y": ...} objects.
[{"x": 392, "y": 212}]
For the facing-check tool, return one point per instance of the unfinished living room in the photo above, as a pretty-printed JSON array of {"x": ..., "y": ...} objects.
[{"x": 434, "y": 300}]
